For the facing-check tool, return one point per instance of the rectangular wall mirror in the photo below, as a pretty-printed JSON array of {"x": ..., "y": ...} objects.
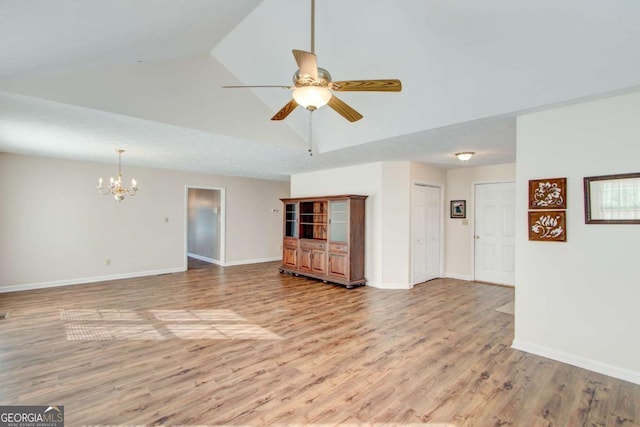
[{"x": 612, "y": 199}]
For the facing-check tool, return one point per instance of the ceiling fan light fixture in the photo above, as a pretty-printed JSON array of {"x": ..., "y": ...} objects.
[
  {"x": 465, "y": 155},
  {"x": 311, "y": 97}
]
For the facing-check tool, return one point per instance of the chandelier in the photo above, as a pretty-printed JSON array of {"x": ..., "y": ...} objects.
[{"x": 115, "y": 187}]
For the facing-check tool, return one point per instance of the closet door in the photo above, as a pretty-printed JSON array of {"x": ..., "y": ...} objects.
[{"x": 426, "y": 217}]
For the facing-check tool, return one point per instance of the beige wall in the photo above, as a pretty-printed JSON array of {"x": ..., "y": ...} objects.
[
  {"x": 578, "y": 301},
  {"x": 459, "y": 242},
  {"x": 55, "y": 229}
]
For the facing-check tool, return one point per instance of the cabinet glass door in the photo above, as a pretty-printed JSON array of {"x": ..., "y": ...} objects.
[
  {"x": 338, "y": 211},
  {"x": 291, "y": 220}
]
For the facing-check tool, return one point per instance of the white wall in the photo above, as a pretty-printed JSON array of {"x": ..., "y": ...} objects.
[
  {"x": 578, "y": 301},
  {"x": 388, "y": 211},
  {"x": 363, "y": 179},
  {"x": 395, "y": 226},
  {"x": 55, "y": 229},
  {"x": 461, "y": 186}
]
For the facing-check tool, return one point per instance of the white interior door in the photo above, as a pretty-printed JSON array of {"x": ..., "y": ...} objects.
[
  {"x": 495, "y": 233},
  {"x": 426, "y": 215}
]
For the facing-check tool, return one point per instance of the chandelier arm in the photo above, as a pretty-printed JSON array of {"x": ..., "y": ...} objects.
[{"x": 103, "y": 191}]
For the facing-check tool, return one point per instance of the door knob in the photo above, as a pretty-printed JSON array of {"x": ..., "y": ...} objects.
[{"x": 477, "y": 237}]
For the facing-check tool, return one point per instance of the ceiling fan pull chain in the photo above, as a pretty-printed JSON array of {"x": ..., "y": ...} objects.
[{"x": 310, "y": 150}]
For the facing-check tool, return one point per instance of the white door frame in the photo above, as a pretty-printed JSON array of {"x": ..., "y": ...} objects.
[
  {"x": 473, "y": 235},
  {"x": 441, "y": 248},
  {"x": 223, "y": 219}
]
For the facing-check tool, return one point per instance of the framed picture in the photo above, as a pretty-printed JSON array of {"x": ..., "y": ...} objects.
[
  {"x": 612, "y": 199},
  {"x": 550, "y": 193},
  {"x": 458, "y": 209},
  {"x": 547, "y": 226}
]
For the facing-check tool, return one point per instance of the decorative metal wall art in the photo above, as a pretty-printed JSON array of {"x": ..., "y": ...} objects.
[
  {"x": 548, "y": 193},
  {"x": 547, "y": 226},
  {"x": 547, "y": 210}
]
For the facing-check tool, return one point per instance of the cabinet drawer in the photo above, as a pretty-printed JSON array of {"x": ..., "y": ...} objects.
[
  {"x": 290, "y": 243},
  {"x": 310, "y": 244},
  {"x": 338, "y": 247}
]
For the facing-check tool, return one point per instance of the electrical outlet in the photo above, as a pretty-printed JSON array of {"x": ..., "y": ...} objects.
[{"x": 107, "y": 261}]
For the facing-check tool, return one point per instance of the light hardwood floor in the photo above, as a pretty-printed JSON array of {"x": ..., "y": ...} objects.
[{"x": 248, "y": 346}]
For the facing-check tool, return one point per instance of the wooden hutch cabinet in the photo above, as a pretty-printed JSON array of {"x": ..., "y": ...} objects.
[{"x": 324, "y": 238}]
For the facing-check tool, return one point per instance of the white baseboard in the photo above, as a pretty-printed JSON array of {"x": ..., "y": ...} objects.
[
  {"x": 458, "y": 276},
  {"x": 85, "y": 280},
  {"x": 379, "y": 285},
  {"x": 571, "y": 359},
  {"x": 204, "y": 258},
  {"x": 228, "y": 264},
  {"x": 252, "y": 261}
]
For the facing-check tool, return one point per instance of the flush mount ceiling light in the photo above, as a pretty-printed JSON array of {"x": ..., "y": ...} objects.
[
  {"x": 465, "y": 155},
  {"x": 115, "y": 187}
]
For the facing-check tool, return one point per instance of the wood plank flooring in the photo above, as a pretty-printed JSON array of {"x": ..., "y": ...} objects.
[{"x": 248, "y": 346}]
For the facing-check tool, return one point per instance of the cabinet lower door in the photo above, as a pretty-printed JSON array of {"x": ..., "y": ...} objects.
[
  {"x": 338, "y": 265},
  {"x": 319, "y": 262},
  {"x": 290, "y": 257},
  {"x": 304, "y": 262}
]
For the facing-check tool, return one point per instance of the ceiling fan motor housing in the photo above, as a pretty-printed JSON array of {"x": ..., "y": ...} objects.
[{"x": 323, "y": 80}]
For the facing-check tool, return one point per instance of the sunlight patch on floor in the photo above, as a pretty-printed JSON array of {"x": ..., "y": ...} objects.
[
  {"x": 91, "y": 315},
  {"x": 111, "y": 332},
  {"x": 109, "y": 324}
]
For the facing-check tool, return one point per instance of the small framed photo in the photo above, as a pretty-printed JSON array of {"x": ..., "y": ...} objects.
[{"x": 458, "y": 209}]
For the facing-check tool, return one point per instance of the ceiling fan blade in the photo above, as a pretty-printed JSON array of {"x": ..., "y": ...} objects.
[
  {"x": 343, "y": 109},
  {"x": 248, "y": 87},
  {"x": 388, "y": 85},
  {"x": 307, "y": 63},
  {"x": 285, "y": 111}
]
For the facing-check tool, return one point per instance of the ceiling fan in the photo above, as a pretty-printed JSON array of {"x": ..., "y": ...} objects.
[{"x": 313, "y": 86}]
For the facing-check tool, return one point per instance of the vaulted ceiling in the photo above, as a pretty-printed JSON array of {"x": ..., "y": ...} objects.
[{"x": 80, "y": 78}]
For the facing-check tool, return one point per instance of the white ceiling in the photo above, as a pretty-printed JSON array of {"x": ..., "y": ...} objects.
[{"x": 79, "y": 78}]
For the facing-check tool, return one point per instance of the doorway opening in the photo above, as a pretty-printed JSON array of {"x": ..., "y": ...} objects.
[{"x": 205, "y": 225}]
